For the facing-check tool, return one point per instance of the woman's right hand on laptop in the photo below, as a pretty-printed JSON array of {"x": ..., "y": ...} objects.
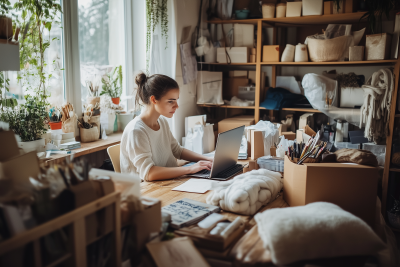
[{"x": 201, "y": 165}]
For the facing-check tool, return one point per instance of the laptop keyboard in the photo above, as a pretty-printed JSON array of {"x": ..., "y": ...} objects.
[{"x": 225, "y": 173}]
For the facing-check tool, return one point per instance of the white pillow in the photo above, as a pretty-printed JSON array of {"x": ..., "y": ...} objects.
[{"x": 315, "y": 231}]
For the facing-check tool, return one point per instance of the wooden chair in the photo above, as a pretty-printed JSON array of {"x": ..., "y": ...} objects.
[{"x": 113, "y": 153}]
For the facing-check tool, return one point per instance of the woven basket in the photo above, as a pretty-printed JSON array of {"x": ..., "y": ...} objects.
[
  {"x": 281, "y": 10},
  {"x": 326, "y": 50},
  {"x": 6, "y": 30},
  {"x": 89, "y": 135},
  {"x": 268, "y": 10}
]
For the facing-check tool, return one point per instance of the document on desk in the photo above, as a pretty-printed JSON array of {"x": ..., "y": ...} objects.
[{"x": 195, "y": 186}]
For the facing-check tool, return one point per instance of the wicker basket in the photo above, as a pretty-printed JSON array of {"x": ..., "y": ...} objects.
[
  {"x": 89, "y": 135},
  {"x": 6, "y": 30},
  {"x": 268, "y": 10},
  {"x": 281, "y": 10},
  {"x": 326, "y": 50}
]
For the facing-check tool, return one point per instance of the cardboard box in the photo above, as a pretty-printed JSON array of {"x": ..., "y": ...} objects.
[
  {"x": 328, "y": 8},
  {"x": 8, "y": 144},
  {"x": 234, "y": 122},
  {"x": 350, "y": 186},
  {"x": 252, "y": 58},
  {"x": 257, "y": 144},
  {"x": 20, "y": 168},
  {"x": 272, "y": 53},
  {"x": 147, "y": 221},
  {"x": 238, "y": 73},
  {"x": 313, "y": 7},
  {"x": 230, "y": 86},
  {"x": 236, "y": 54},
  {"x": 289, "y": 135},
  {"x": 293, "y": 9}
]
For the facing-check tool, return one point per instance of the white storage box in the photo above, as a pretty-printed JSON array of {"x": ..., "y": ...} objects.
[
  {"x": 351, "y": 97},
  {"x": 247, "y": 92},
  {"x": 313, "y": 7},
  {"x": 209, "y": 88},
  {"x": 377, "y": 46},
  {"x": 340, "y": 145},
  {"x": 293, "y": 9},
  {"x": 236, "y": 54}
]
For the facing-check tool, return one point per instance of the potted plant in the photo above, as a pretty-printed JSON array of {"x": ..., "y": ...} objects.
[
  {"x": 112, "y": 84},
  {"x": 27, "y": 121}
]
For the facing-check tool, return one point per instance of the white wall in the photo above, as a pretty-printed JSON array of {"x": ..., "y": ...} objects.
[{"x": 186, "y": 14}]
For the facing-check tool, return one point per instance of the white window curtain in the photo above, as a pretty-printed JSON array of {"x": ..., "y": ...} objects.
[{"x": 162, "y": 58}]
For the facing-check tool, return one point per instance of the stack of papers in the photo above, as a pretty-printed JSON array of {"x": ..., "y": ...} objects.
[
  {"x": 70, "y": 145},
  {"x": 187, "y": 211},
  {"x": 195, "y": 186}
]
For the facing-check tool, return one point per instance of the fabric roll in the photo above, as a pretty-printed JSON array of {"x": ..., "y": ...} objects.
[
  {"x": 301, "y": 54},
  {"x": 288, "y": 53}
]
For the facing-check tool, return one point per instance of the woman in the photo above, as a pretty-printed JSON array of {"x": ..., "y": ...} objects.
[{"x": 147, "y": 146}]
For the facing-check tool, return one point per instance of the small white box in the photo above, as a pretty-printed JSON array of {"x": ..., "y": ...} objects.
[
  {"x": 313, "y": 7},
  {"x": 236, "y": 54},
  {"x": 293, "y": 9}
]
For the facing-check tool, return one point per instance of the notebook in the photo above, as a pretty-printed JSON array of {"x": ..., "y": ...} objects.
[{"x": 187, "y": 211}]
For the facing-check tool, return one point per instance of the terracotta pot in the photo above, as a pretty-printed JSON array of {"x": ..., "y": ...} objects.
[
  {"x": 55, "y": 125},
  {"x": 115, "y": 100},
  {"x": 6, "y": 30}
]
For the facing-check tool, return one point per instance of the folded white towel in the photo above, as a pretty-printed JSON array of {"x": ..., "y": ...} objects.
[{"x": 246, "y": 193}]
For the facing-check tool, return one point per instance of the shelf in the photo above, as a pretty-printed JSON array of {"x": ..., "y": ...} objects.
[
  {"x": 336, "y": 63},
  {"x": 59, "y": 260},
  {"x": 302, "y": 110},
  {"x": 225, "y": 106},
  {"x": 394, "y": 169},
  {"x": 297, "y": 21},
  {"x": 231, "y": 64},
  {"x": 369, "y": 62}
]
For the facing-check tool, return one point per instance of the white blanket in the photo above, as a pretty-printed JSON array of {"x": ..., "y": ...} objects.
[
  {"x": 318, "y": 230},
  {"x": 246, "y": 193}
]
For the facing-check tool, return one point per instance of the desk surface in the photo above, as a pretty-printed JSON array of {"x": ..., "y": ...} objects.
[
  {"x": 87, "y": 148},
  {"x": 163, "y": 191}
]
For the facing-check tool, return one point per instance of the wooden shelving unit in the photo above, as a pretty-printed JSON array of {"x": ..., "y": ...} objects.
[
  {"x": 75, "y": 222},
  {"x": 289, "y": 22}
]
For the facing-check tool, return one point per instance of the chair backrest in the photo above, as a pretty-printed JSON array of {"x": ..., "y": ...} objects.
[{"x": 113, "y": 153}]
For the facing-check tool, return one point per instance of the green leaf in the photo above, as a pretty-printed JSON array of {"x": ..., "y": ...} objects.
[
  {"x": 48, "y": 26},
  {"x": 24, "y": 13}
]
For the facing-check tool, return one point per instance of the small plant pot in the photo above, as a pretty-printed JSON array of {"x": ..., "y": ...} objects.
[
  {"x": 55, "y": 125},
  {"x": 37, "y": 145},
  {"x": 115, "y": 100},
  {"x": 394, "y": 220}
]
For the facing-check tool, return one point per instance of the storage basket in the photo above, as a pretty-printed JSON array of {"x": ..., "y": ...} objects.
[
  {"x": 281, "y": 10},
  {"x": 268, "y": 10},
  {"x": 92, "y": 100},
  {"x": 89, "y": 135},
  {"x": 325, "y": 50}
]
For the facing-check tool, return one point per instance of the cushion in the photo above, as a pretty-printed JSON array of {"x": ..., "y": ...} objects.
[
  {"x": 359, "y": 156},
  {"x": 315, "y": 231}
]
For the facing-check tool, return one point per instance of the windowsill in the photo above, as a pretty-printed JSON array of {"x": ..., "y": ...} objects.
[{"x": 87, "y": 148}]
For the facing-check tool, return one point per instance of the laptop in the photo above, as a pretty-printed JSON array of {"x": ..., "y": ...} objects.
[{"x": 225, "y": 160}]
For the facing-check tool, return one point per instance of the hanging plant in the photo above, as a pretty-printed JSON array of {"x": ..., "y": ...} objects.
[{"x": 156, "y": 12}]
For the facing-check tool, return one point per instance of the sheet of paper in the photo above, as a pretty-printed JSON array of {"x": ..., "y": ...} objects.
[
  {"x": 195, "y": 186},
  {"x": 189, "y": 63}
]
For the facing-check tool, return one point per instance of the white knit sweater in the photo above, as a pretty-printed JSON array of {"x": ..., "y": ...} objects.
[{"x": 143, "y": 148}]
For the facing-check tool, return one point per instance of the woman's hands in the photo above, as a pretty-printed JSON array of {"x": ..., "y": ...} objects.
[{"x": 201, "y": 165}]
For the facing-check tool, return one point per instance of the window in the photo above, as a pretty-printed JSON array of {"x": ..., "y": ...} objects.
[
  {"x": 101, "y": 40},
  {"x": 54, "y": 66}
]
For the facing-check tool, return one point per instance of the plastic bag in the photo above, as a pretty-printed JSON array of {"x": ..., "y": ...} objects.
[
  {"x": 315, "y": 89},
  {"x": 200, "y": 139}
]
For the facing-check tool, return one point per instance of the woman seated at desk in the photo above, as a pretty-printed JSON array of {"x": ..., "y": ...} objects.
[{"x": 148, "y": 147}]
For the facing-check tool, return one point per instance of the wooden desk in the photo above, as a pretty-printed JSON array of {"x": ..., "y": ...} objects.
[
  {"x": 87, "y": 148},
  {"x": 163, "y": 191}
]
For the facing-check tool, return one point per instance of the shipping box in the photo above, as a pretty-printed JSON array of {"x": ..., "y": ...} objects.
[
  {"x": 350, "y": 186},
  {"x": 231, "y": 86},
  {"x": 272, "y": 53},
  {"x": 234, "y": 122}
]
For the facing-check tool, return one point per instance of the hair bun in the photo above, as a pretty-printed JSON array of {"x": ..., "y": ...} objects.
[{"x": 140, "y": 79}]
